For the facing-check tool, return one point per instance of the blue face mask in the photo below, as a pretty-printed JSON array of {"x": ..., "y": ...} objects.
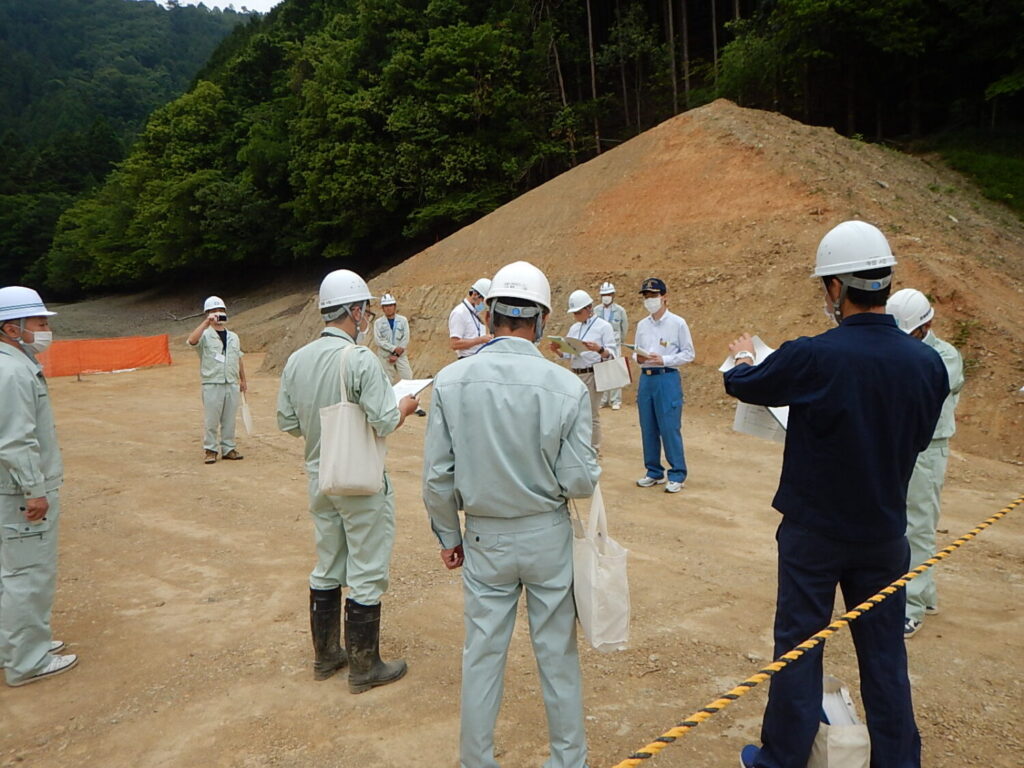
[{"x": 480, "y": 307}]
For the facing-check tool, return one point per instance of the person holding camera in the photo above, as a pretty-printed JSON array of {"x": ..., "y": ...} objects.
[{"x": 223, "y": 378}]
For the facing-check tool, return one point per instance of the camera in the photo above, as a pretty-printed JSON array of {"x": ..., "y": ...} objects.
[{"x": 220, "y": 317}]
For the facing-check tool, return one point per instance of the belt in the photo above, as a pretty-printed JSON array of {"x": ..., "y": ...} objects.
[
  {"x": 656, "y": 371},
  {"x": 581, "y": 371}
]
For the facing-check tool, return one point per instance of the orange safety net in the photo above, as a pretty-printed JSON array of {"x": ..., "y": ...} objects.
[{"x": 70, "y": 357}]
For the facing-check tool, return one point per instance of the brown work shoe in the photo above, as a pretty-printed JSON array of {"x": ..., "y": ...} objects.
[
  {"x": 233, "y": 455},
  {"x": 210, "y": 457}
]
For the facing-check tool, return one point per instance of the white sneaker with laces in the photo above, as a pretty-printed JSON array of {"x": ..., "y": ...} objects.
[
  {"x": 55, "y": 645},
  {"x": 911, "y": 627},
  {"x": 616, "y": 406},
  {"x": 673, "y": 487},
  {"x": 57, "y": 665},
  {"x": 647, "y": 482}
]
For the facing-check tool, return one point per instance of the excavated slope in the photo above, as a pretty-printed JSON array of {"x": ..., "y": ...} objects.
[{"x": 727, "y": 205}]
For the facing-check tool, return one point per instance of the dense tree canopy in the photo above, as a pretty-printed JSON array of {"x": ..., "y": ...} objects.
[
  {"x": 80, "y": 79},
  {"x": 364, "y": 129}
]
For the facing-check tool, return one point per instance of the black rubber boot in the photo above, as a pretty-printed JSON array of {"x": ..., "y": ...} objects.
[
  {"x": 325, "y": 624},
  {"x": 362, "y": 637}
]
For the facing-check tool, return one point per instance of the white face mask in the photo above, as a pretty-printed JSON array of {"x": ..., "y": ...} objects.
[
  {"x": 40, "y": 341},
  {"x": 652, "y": 304},
  {"x": 606, "y": 300}
]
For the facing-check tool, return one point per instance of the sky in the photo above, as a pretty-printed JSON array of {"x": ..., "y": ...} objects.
[{"x": 253, "y": 5}]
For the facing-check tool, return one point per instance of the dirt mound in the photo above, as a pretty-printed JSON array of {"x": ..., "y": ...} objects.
[{"x": 727, "y": 205}]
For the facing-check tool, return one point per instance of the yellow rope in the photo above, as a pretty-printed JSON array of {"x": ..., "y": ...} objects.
[{"x": 705, "y": 713}]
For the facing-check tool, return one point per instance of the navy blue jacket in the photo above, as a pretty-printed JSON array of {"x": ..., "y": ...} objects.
[{"x": 864, "y": 399}]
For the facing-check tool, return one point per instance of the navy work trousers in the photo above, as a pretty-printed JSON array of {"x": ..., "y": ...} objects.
[{"x": 810, "y": 567}]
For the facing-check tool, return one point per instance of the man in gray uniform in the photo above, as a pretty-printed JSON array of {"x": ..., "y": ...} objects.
[
  {"x": 615, "y": 315},
  {"x": 31, "y": 473},
  {"x": 354, "y": 534},
  {"x": 391, "y": 333},
  {"x": 223, "y": 378},
  {"x": 508, "y": 441},
  {"x": 914, "y": 314}
]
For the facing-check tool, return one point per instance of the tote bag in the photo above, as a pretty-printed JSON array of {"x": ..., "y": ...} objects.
[
  {"x": 612, "y": 374},
  {"x": 246, "y": 416},
  {"x": 600, "y": 585},
  {"x": 842, "y": 741},
  {"x": 351, "y": 452}
]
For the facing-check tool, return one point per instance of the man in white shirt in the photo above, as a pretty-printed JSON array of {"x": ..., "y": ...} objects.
[
  {"x": 465, "y": 328},
  {"x": 616, "y": 316},
  {"x": 663, "y": 343},
  {"x": 599, "y": 339}
]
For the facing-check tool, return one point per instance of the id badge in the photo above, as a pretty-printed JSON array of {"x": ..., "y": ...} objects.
[{"x": 219, "y": 357}]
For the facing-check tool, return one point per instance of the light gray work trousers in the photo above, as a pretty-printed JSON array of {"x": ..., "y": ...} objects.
[
  {"x": 503, "y": 556},
  {"x": 220, "y": 404},
  {"x": 595, "y": 408},
  {"x": 923, "y": 508},
  {"x": 28, "y": 578},
  {"x": 400, "y": 369},
  {"x": 354, "y": 539}
]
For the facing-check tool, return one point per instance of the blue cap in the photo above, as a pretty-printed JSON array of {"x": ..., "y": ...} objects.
[{"x": 654, "y": 284}]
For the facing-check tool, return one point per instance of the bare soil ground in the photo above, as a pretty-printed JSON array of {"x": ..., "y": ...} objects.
[
  {"x": 183, "y": 586},
  {"x": 183, "y": 589}
]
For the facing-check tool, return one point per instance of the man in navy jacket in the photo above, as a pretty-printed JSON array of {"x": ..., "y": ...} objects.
[{"x": 864, "y": 401}]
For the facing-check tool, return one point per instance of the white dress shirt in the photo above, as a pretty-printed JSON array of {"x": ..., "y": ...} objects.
[
  {"x": 463, "y": 323},
  {"x": 668, "y": 337},
  {"x": 592, "y": 329}
]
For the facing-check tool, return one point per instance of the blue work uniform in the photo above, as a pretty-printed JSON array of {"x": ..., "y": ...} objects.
[
  {"x": 864, "y": 398},
  {"x": 508, "y": 441}
]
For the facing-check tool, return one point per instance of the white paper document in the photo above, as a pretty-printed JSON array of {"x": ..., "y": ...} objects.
[
  {"x": 758, "y": 420},
  {"x": 404, "y": 387}
]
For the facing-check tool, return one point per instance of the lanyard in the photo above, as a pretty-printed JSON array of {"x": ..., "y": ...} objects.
[
  {"x": 476, "y": 320},
  {"x": 586, "y": 330}
]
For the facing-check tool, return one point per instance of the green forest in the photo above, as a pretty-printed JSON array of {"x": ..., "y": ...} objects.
[
  {"x": 80, "y": 79},
  {"x": 363, "y": 130}
]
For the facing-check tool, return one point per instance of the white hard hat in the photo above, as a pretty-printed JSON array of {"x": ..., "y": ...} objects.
[
  {"x": 578, "y": 300},
  {"x": 606, "y": 288},
  {"x": 852, "y": 246},
  {"x": 17, "y": 302},
  {"x": 520, "y": 280},
  {"x": 214, "y": 302},
  {"x": 482, "y": 286},
  {"x": 387, "y": 298},
  {"x": 343, "y": 286},
  {"x": 911, "y": 309}
]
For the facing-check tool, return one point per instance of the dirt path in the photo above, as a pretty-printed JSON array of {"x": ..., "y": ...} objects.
[{"x": 183, "y": 588}]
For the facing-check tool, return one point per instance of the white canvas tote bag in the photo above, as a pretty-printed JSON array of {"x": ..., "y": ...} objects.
[
  {"x": 246, "y": 416},
  {"x": 351, "y": 452},
  {"x": 612, "y": 374},
  {"x": 842, "y": 742},
  {"x": 600, "y": 584}
]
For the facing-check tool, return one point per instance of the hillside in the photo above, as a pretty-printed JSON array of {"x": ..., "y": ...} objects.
[{"x": 728, "y": 205}]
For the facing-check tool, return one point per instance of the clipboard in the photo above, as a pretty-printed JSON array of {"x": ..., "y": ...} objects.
[{"x": 568, "y": 345}]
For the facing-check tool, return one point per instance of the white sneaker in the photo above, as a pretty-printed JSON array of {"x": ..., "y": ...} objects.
[
  {"x": 55, "y": 645},
  {"x": 647, "y": 482},
  {"x": 57, "y": 665},
  {"x": 616, "y": 406},
  {"x": 931, "y": 610},
  {"x": 673, "y": 487}
]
